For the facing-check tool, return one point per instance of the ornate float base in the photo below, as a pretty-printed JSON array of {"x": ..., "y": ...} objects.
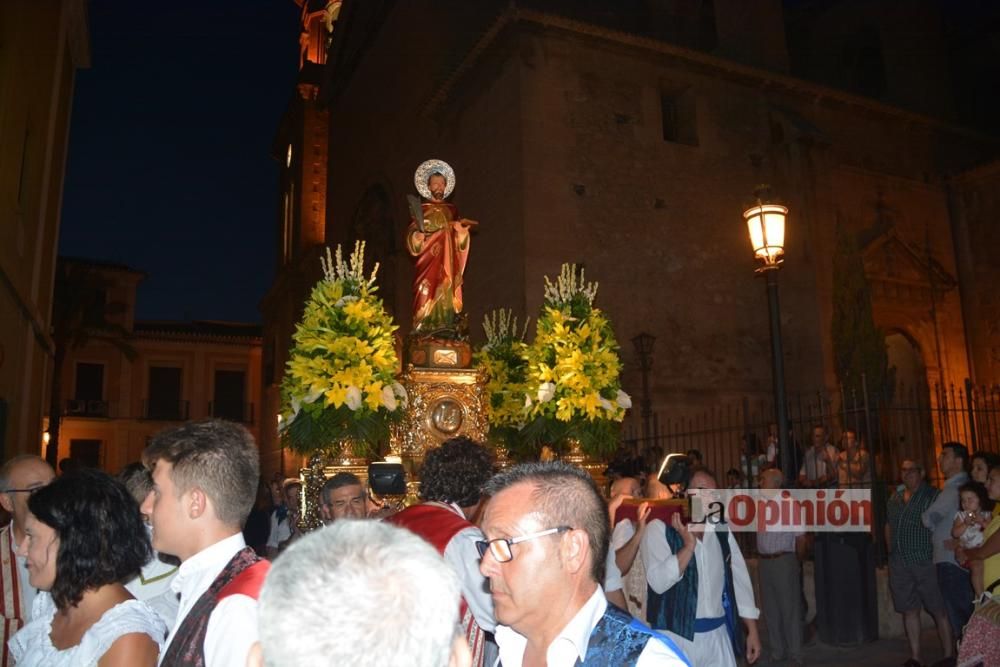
[
  {"x": 576, "y": 456},
  {"x": 443, "y": 404},
  {"x": 439, "y": 353}
]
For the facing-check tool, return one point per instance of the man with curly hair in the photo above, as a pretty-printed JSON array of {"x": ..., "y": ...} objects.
[{"x": 450, "y": 483}]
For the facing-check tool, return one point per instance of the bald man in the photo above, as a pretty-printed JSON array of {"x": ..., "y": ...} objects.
[{"x": 19, "y": 478}]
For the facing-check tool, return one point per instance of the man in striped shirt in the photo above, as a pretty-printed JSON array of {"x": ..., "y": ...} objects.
[{"x": 912, "y": 576}]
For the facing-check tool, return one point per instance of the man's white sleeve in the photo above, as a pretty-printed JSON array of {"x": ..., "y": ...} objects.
[
  {"x": 463, "y": 557},
  {"x": 623, "y": 532},
  {"x": 232, "y": 630},
  {"x": 658, "y": 654},
  {"x": 662, "y": 570},
  {"x": 612, "y": 575}
]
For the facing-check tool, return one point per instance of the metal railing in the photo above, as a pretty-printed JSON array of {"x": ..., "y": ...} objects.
[
  {"x": 242, "y": 413},
  {"x": 78, "y": 407},
  {"x": 166, "y": 410},
  {"x": 906, "y": 422}
]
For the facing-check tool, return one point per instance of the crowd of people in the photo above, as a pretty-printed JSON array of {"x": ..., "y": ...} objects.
[{"x": 188, "y": 558}]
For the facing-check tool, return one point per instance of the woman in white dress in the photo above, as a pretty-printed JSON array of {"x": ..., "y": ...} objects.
[{"x": 83, "y": 538}]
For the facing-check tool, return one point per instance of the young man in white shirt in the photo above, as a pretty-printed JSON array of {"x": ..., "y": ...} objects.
[
  {"x": 545, "y": 550},
  {"x": 692, "y": 575},
  {"x": 205, "y": 478}
]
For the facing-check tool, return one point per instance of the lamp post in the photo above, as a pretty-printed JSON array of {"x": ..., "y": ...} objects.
[
  {"x": 766, "y": 225},
  {"x": 643, "y": 343}
]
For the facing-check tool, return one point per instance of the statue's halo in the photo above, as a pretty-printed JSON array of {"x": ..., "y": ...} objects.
[{"x": 428, "y": 169}]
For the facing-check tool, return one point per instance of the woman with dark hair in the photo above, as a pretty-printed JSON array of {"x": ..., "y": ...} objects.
[
  {"x": 84, "y": 536},
  {"x": 981, "y": 464}
]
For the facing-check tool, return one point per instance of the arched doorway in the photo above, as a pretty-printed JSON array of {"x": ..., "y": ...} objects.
[{"x": 906, "y": 415}]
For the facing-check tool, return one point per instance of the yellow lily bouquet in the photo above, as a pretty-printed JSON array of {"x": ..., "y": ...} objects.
[
  {"x": 501, "y": 360},
  {"x": 573, "y": 386},
  {"x": 340, "y": 379}
]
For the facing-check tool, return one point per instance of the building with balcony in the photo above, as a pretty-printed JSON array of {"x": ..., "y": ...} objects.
[{"x": 117, "y": 393}]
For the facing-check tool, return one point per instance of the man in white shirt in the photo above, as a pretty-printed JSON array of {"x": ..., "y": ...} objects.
[
  {"x": 19, "y": 478},
  {"x": 204, "y": 484},
  {"x": 152, "y": 584},
  {"x": 544, "y": 552},
  {"x": 285, "y": 519},
  {"x": 819, "y": 463},
  {"x": 694, "y": 576},
  {"x": 395, "y": 598},
  {"x": 625, "y": 538}
]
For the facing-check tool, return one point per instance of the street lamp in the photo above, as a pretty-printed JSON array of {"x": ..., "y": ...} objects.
[
  {"x": 643, "y": 343},
  {"x": 766, "y": 225}
]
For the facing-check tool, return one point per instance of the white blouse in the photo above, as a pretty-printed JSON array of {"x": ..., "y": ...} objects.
[{"x": 32, "y": 645}]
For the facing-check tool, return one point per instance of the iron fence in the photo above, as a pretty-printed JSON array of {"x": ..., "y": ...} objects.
[{"x": 905, "y": 422}]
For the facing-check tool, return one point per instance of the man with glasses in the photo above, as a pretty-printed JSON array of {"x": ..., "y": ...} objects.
[
  {"x": 19, "y": 478},
  {"x": 450, "y": 482},
  {"x": 545, "y": 549},
  {"x": 912, "y": 577}
]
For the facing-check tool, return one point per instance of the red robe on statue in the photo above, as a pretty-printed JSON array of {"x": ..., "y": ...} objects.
[{"x": 442, "y": 250}]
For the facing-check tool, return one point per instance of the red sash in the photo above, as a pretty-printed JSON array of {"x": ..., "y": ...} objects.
[
  {"x": 248, "y": 582},
  {"x": 11, "y": 614}
]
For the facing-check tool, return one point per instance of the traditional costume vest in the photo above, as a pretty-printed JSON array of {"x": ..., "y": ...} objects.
[
  {"x": 14, "y": 617},
  {"x": 618, "y": 639},
  {"x": 438, "y": 523},
  {"x": 676, "y": 608},
  {"x": 243, "y": 575}
]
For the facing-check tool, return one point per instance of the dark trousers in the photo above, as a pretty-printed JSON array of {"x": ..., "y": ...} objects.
[
  {"x": 781, "y": 595},
  {"x": 956, "y": 588},
  {"x": 846, "y": 607}
]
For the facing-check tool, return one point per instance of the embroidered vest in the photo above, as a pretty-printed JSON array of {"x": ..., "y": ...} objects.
[
  {"x": 676, "y": 608},
  {"x": 618, "y": 640},
  {"x": 438, "y": 524},
  {"x": 11, "y": 612},
  {"x": 243, "y": 574}
]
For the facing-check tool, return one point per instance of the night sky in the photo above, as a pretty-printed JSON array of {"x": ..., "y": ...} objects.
[{"x": 169, "y": 168}]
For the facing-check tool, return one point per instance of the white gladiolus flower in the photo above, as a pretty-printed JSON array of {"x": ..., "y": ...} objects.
[
  {"x": 342, "y": 301},
  {"x": 527, "y": 402},
  {"x": 313, "y": 396},
  {"x": 388, "y": 398},
  {"x": 400, "y": 393},
  {"x": 546, "y": 392},
  {"x": 623, "y": 400},
  {"x": 353, "y": 398},
  {"x": 605, "y": 403}
]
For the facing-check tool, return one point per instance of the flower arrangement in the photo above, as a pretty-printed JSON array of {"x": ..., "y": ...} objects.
[
  {"x": 501, "y": 361},
  {"x": 340, "y": 379},
  {"x": 572, "y": 383}
]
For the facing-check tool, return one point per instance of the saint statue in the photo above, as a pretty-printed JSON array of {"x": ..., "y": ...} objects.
[{"x": 439, "y": 240}]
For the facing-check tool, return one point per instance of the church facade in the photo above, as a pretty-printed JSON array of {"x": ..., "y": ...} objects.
[{"x": 630, "y": 142}]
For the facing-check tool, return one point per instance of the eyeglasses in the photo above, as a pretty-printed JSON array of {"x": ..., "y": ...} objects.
[
  {"x": 29, "y": 490},
  {"x": 500, "y": 547}
]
